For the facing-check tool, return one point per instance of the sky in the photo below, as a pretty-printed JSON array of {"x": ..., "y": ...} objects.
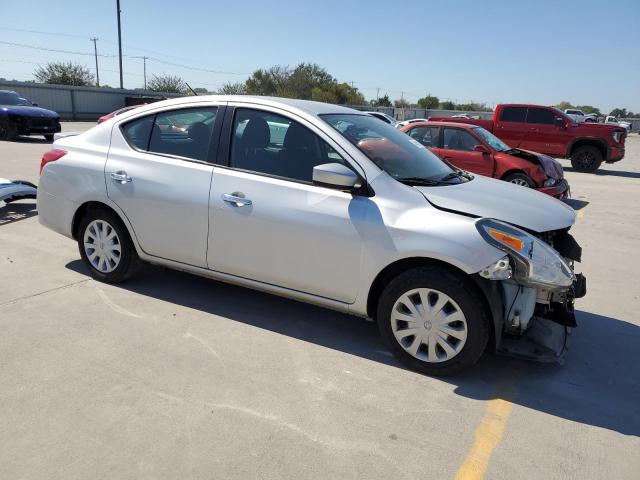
[{"x": 585, "y": 52}]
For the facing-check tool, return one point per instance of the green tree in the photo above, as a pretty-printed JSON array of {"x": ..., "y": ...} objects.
[
  {"x": 564, "y": 105},
  {"x": 589, "y": 109},
  {"x": 383, "y": 101},
  {"x": 401, "y": 103},
  {"x": 64, "y": 73},
  {"x": 229, "y": 88},
  {"x": 447, "y": 105},
  {"x": 620, "y": 112},
  {"x": 167, "y": 84},
  {"x": 428, "y": 101}
]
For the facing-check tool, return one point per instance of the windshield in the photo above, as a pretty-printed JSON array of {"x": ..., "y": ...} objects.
[
  {"x": 11, "y": 98},
  {"x": 393, "y": 151},
  {"x": 492, "y": 140}
]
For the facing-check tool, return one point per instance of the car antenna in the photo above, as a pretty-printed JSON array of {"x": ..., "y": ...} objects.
[{"x": 192, "y": 90}]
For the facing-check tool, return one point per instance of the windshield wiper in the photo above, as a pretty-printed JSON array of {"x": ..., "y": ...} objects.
[
  {"x": 418, "y": 181},
  {"x": 455, "y": 174}
]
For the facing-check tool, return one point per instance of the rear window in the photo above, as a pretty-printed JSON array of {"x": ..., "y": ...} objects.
[{"x": 513, "y": 114}]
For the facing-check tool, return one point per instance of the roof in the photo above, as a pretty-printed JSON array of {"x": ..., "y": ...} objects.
[
  {"x": 438, "y": 123},
  {"x": 307, "y": 106}
]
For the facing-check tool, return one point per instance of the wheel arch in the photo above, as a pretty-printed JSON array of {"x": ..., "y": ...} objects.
[
  {"x": 488, "y": 290},
  {"x": 588, "y": 142}
]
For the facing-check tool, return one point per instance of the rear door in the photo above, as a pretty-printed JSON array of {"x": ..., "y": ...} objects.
[
  {"x": 458, "y": 148},
  {"x": 543, "y": 134},
  {"x": 511, "y": 125},
  {"x": 158, "y": 172}
]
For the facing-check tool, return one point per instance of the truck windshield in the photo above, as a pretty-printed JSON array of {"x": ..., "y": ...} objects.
[
  {"x": 393, "y": 151},
  {"x": 10, "y": 98},
  {"x": 492, "y": 140}
]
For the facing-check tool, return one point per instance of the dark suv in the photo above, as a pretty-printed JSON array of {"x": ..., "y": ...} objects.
[{"x": 18, "y": 116}]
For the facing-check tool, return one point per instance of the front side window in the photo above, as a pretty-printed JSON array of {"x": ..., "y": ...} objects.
[
  {"x": 513, "y": 114},
  {"x": 541, "y": 115},
  {"x": 391, "y": 150},
  {"x": 427, "y": 136},
  {"x": 458, "y": 139},
  {"x": 271, "y": 144},
  {"x": 11, "y": 98},
  {"x": 491, "y": 139},
  {"x": 183, "y": 133}
]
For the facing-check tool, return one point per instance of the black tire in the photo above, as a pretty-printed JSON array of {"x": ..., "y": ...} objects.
[
  {"x": 586, "y": 159},
  {"x": 467, "y": 297},
  {"x": 7, "y": 130},
  {"x": 128, "y": 259},
  {"x": 48, "y": 137},
  {"x": 520, "y": 179}
]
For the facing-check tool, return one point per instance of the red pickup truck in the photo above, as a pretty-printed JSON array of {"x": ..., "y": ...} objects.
[{"x": 548, "y": 130}]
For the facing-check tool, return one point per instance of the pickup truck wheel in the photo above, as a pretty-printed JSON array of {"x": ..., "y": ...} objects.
[
  {"x": 106, "y": 248},
  {"x": 7, "y": 130},
  {"x": 520, "y": 179},
  {"x": 433, "y": 320},
  {"x": 48, "y": 137},
  {"x": 586, "y": 159}
]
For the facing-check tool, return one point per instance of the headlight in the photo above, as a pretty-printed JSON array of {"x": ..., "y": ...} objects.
[
  {"x": 535, "y": 262},
  {"x": 617, "y": 136},
  {"x": 549, "y": 182}
]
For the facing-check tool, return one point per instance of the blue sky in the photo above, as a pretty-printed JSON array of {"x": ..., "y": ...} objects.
[{"x": 586, "y": 52}]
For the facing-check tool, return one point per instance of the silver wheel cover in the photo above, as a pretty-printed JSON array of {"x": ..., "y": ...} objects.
[
  {"x": 520, "y": 181},
  {"x": 429, "y": 325},
  {"x": 102, "y": 246}
]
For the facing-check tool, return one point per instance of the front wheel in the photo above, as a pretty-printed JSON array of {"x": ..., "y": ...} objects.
[
  {"x": 7, "y": 130},
  {"x": 521, "y": 179},
  {"x": 433, "y": 320},
  {"x": 105, "y": 247},
  {"x": 586, "y": 159}
]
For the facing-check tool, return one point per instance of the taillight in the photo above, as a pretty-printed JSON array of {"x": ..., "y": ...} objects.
[{"x": 51, "y": 156}]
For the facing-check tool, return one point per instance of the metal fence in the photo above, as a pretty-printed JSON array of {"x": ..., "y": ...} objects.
[{"x": 77, "y": 103}]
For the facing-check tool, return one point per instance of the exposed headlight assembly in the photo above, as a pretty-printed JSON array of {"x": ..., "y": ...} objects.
[
  {"x": 617, "y": 136},
  {"x": 536, "y": 263},
  {"x": 549, "y": 182}
]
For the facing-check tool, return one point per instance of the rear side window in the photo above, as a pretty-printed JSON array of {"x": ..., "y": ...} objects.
[
  {"x": 540, "y": 115},
  {"x": 513, "y": 114},
  {"x": 182, "y": 133},
  {"x": 427, "y": 136}
]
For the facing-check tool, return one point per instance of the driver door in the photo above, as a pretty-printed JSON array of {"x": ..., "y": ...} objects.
[{"x": 458, "y": 148}]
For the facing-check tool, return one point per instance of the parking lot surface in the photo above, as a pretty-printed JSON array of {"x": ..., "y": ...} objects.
[{"x": 174, "y": 376}]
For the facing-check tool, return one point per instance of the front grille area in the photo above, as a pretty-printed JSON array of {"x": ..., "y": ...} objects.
[{"x": 42, "y": 122}]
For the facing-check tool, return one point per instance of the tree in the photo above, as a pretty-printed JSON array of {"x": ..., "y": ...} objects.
[
  {"x": 383, "y": 101},
  {"x": 589, "y": 109},
  {"x": 64, "y": 73},
  {"x": 237, "y": 88},
  {"x": 429, "y": 101},
  {"x": 166, "y": 83},
  {"x": 564, "y": 105},
  {"x": 201, "y": 91},
  {"x": 620, "y": 112},
  {"x": 447, "y": 105},
  {"x": 401, "y": 103}
]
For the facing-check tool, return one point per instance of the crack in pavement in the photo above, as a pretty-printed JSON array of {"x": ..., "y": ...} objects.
[{"x": 62, "y": 287}]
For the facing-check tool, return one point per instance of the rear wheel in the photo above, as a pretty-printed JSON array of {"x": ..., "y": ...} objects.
[
  {"x": 433, "y": 320},
  {"x": 7, "y": 130},
  {"x": 586, "y": 159},
  {"x": 105, "y": 247},
  {"x": 521, "y": 179}
]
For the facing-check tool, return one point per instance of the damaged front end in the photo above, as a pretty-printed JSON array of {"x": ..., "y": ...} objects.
[{"x": 537, "y": 289}]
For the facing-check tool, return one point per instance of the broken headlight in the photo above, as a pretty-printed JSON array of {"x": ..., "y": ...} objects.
[
  {"x": 549, "y": 182},
  {"x": 536, "y": 263}
]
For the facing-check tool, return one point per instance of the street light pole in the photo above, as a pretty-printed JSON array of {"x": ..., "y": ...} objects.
[
  {"x": 95, "y": 51},
  {"x": 144, "y": 67},
  {"x": 119, "y": 42}
]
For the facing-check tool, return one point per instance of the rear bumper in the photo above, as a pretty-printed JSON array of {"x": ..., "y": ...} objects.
[
  {"x": 56, "y": 212},
  {"x": 560, "y": 190},
  {"x": 615, "y": 154}
]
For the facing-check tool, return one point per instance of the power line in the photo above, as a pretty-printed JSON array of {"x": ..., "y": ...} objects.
[{"x": 22, "y": 45}]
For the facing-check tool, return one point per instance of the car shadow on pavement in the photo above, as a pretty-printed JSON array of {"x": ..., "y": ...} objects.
[
  {"x": 609, "y": 173},
  {"x": 14, "y": 212},
  {"x": 576, "y": 204},
  {"x": 599, "y": 385},
  {"x": 25, "y": 139}
]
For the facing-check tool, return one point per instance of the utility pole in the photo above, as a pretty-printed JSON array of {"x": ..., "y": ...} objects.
[
  {"x": 377, "y": 94},
  {"x": 119, "y": 42},
  {"x": 144, "y": 69},
  {"x": 95, "y": 51}
]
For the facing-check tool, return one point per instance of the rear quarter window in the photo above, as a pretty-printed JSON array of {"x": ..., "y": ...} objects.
[{"x": 513, "y": 114}]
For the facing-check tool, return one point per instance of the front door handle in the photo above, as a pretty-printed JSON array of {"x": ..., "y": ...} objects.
[
  {"x": 121, "y": 177},
  {"x": 236, "y": 198}
]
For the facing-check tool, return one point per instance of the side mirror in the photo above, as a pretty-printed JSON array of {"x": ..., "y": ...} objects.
[
  {"x": 481, "y": 148},
  {"x": 34, "y": 104},
  {"x": 334, "y": 175},
  {"x": 559, "y": 122}
]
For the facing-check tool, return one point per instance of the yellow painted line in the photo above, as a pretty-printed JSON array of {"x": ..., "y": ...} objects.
[{"x": 487, "y": 437}]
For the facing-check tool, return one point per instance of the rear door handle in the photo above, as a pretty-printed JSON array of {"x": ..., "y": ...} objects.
[
  {"x": 121, "y": 177},
  {"x": 236, "y": 198}
]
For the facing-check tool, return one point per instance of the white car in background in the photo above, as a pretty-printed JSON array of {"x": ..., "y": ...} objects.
[
  {"x": 611, "y": 120},
  {"x": 384, "y": 117},
  {"x": 326, "y": 205},
  {"x": 579, "y": 116},
  {"x": 413, "y": 120}
]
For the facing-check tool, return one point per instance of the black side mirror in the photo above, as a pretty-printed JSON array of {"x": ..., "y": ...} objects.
[
  {"x": 34, "y": 104},
  {"x": 559, "y": 122}
]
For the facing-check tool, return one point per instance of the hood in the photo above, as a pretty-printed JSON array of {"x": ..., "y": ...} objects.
[
  {"x": 27, "y": 111},
  {"x": 491, "y": 198},
  {"x": 552, "y": 168}
]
